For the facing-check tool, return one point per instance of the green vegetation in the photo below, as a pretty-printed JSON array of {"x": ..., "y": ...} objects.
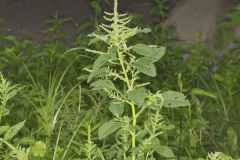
[{"x": 122, "y": 93}]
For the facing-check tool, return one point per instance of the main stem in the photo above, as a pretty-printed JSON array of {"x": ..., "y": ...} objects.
[{"x": 134, "y": 117}]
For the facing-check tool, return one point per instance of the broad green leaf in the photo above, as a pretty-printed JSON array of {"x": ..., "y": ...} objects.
[
  {"x": 146, "y": 66},
  {"x": 193, "y": 140},
  {"x": 12, "y": 91},
  {"x": 101, "y": 84},
  {"x": 93, "y": 41},
  {"x": 159, "y": 53},
  {"x": 143, "y": 49},
  {"x": 137, "y": 96},
  {"x": 100, "y": 61},
  {"x": 146, "y": 30},
  {"x": 98, "y": 73},
  {"x": 141, "y": 157},
  {"x": 203, "y": 92},
  {"x": 167, "y": 127},
  {"x": 82, "y": 77},
  {"x": 154, "y": 53},
  {"x": 112, "y": 53},
  {"x": 232, "y": 138},
  {"x": 100, "y": 154},
  {"x": 26, "y": 141},
  {"x": 5, "y": 111},
  {"x": 38, "y": 149},
  {"x": 174, "y": 99},
  {"x": 141, "y": 134},
  {"x": 117, "y": 108},
  {"x": 3, "y": 129},
  {"x": 108, "y": 128},
  {"x": 219, "y": 77},
  {"x": 12, "y": 131},
  {"x": 160, "y": 149}
]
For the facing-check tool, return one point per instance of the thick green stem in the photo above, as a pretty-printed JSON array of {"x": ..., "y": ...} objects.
[
  {"x": 134, "y": 123},
  {"x": 134, "y": 117}
]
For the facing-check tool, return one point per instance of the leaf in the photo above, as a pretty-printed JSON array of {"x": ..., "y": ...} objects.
[
  {"x": 3, "y": 129},
  {"x": 219, "y": 77},
  {"x": 141, "y": 134},
  {"x": 143, "y": 49},
  {"x": 137, "y": 96},
  {"x": 100, "y": 154},
  {"x": 38, "y": 149},
  {"x": 232, "y": 138},
  {"x": 146, "y": 66},
  {"x": 82, "y": 77},
  {"x": 12, "y": 91},
  {"x": 100, "y": 61},
  {"x": 98, "y": 73},
  {"x": 160, "y": 149},
  {"x": 26, "y": 141},
  {"x": 97, "y": 8},
  {"x": 193, "y": 140},
  {"x": 116, "y": 108},
  {"x": 154, "y": 53},
  {"x": 108, "y": 128},
  {"x": 10, "y": 38},
  {"x": 146, "y": 30},
  {"x": 112, "y": 53},
  {"x": 202, "y": 92},
  {"x": 93, "y": 41},
  {"x": 12, "y": 131},
  {"x": 167, "y": 127},
  {"x": 174, "y": 99},
  {"x": 159, "y": 52},
  {"x": 101, "y": 84},
  {"x": 5, "y": 111}
]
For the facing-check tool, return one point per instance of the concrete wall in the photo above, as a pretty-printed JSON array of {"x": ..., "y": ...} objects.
[
  {"x": 28, "y": 16},
  {"x": 188, "y": 16},
  {"x": 193, "y": 16}
]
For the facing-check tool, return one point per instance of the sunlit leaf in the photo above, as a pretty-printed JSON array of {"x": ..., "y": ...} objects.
[
  {"x": 146, "y": 30},
  {"x": 108, "y": 128},
  {"x": 100, "y": 61},
  {"x": 38, "y": 149},
  {"x": 146, "y": 66},
  {"x": 116, "y": 108},
  {"x": 138, "y": 96},
  {"x": 101, "y": 84},
  {"x": 154, "y": 53},
  {"x": 12, "y": 131},
  {"x": 3, "y": 129},
  {"x": 174, "y": 99},
  {"x": 232, "y": 138},
  {"x": 97, "y": 73},
  {"x": 202, "y": 92},
  {"x": 160, "y": 149}
]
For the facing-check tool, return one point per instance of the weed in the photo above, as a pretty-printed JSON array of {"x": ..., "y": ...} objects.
[{"x": 125, "y": 64}]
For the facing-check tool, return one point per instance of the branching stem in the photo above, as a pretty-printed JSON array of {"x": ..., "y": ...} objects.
[{"x": 134, "y": 117}]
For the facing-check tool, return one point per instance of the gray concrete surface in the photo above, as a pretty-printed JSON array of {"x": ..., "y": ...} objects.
[
  {"x": 27, "y": 17},
  {"x": 199, "y": 16}
]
